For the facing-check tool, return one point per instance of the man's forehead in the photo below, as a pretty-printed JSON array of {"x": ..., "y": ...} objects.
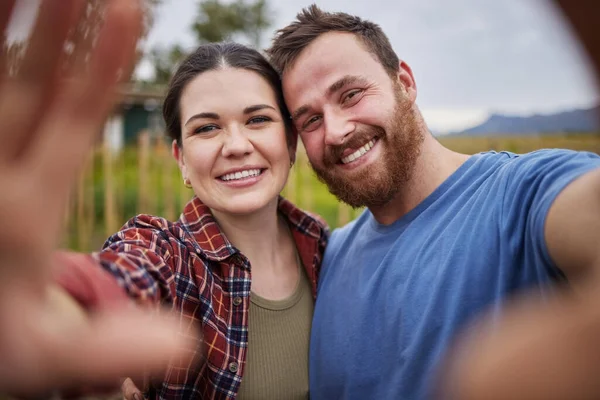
[
  {"x": 309, "y": 85},
  {"x": 326, "y": 60},
  {"x": 329, "y": 48}
]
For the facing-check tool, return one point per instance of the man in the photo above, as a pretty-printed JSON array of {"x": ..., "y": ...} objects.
[{"x": 446, "y": 236}]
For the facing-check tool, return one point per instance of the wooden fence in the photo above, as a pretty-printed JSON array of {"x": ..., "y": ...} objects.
[{"x": 116, "y": 185}]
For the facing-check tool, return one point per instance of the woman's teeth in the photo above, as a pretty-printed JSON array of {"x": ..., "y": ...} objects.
[{"x": 240, "y": 174}]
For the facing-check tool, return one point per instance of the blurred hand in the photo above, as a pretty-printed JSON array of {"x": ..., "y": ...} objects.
[
  {"x": 50, "y": 115},
  {"x": 536, "y": 351},
  {"x": 130, "y": 390}
]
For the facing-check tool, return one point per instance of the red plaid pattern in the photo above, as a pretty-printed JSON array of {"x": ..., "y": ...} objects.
[{"x": 190, "y": 266}]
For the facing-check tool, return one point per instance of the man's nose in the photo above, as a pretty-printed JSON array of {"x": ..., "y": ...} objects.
[{"x": 337, "y": 128}]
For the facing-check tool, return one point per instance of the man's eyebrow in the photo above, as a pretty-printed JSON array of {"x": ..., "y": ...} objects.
[
  {"x": 337, "y": 85},
  {"x": 257, "y": 107},
  {"x": 208, "y": 115},
  {"x": 344, "y": 81},
  {"x": 300, "y": 112}
]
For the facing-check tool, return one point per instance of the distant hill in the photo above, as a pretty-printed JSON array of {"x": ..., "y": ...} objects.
[{"x": 583, "y": 120}]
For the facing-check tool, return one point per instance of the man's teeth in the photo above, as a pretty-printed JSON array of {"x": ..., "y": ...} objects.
[
  {"x": 359, "y": 153},
  {"x": 240, "y": 174}
]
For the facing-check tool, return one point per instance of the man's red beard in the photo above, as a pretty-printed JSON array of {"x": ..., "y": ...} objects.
[{"x": 376, "y": 184}]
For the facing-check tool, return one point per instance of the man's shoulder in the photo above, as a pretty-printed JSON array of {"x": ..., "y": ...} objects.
[
  {"x": 350, "y": 230},
  {"x": 543, "y": 156},
  {"x": 508, "y": 168},
  {"x": 549, "y": 164}
]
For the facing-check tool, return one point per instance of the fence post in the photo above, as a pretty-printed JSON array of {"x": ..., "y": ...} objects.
[
  {"x": 85, "y": 207},
  {"x": 143, "y": 173},
  {"x": 109, "y": 191},
  {"x": 166, "y": 173},
  {"x": 343, "y": 214},
  {"x": 305, "y": 180}
]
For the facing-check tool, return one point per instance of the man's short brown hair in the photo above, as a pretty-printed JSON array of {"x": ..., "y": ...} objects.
[{"x": 312, "y": 22}]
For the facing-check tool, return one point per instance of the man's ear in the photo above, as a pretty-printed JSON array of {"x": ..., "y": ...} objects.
[{"x": 406, "y": 80}]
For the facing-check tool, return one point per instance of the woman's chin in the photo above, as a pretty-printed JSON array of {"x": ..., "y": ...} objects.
[{"x": 246, "y": 205}]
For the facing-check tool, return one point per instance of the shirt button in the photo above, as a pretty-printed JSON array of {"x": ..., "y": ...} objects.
[
  {"x": 237, "y": 300},
  {"x": 233, "y": 367}
]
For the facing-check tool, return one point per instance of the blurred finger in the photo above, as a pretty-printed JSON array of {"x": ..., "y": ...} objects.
[
  {"x": 59, "y": 349},
  {"x": 130, "y": 391},
  {"x": 6, "y": 10},
  {"x": 583, "y": 17},
  {"x": 114, "y": 57},
  {"x": 148, "y": 343},
  {"x": 27, "y": 95},
  {"x": 47, "y": 42},
  {"x": 82, "y": 111}
]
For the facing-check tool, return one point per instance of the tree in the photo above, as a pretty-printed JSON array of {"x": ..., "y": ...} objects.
[
  {"x": 164, "y": 61},
  {"x": 216, "y": 22}
]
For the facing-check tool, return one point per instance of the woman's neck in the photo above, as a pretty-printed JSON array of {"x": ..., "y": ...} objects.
[{"x": 260, "y": 236}]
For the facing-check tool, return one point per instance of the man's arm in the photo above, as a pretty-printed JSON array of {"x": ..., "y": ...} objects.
[
  {"x": 572, "y": 230},
  {"x": 536, "y": 351}
]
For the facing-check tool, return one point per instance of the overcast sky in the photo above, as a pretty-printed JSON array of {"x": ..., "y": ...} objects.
[{"x": 469, "y": 57}]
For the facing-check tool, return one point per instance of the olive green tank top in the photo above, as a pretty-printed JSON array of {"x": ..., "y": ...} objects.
[{"x": 278, "y": 339}]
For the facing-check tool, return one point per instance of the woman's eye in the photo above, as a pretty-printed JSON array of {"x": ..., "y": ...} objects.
[
  {"x": 259, "y": 120},
  {"x": 205, "y": 129}
]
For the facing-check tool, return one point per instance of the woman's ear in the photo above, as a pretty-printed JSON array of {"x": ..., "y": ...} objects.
[
  {"x": 292, "y": 143},
  {"x": 177, "y": 152}
]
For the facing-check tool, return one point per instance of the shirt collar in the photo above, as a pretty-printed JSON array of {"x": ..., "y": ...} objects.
[{"x": 198, "y": 221}]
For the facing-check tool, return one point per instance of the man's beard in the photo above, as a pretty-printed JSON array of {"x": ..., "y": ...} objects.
[{"x": 376, "y": 184}]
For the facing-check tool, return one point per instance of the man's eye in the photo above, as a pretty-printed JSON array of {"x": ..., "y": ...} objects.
[
  {"x": 311, "y": 121},
  {"x": 352, "y": 95}
]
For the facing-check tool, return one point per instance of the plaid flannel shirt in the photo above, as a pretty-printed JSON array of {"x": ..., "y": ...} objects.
[{"x": 192, "y": 267}]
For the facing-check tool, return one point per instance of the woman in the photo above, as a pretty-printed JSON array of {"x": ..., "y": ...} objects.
[{"x": 241, "y": 263}]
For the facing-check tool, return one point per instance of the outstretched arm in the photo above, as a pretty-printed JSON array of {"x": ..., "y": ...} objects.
[
  {"x": 573, "y": 232},
  {"x": 50, "y": 115},
  {"x": 541, "y": 351}
]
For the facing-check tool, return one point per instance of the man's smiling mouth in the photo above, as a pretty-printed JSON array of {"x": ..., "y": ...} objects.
[{"x": 359, "y": 152}]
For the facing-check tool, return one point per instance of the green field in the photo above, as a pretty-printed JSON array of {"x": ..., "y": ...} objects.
[{"x": 136, "y": 181}]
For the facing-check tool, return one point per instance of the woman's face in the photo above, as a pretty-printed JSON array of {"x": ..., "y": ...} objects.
[{"x": 234, "y": 149}]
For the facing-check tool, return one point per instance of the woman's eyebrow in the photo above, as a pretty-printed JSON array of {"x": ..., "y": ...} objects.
[
  {"x": 257, "y": 107},
  {"x": 207, "y": 115}
]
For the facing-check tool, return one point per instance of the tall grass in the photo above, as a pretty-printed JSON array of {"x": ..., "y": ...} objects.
[{"x": 145, "y": 179}]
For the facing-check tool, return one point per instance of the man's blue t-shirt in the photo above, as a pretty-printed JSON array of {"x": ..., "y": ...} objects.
[{"x": 391, "y": 298}]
